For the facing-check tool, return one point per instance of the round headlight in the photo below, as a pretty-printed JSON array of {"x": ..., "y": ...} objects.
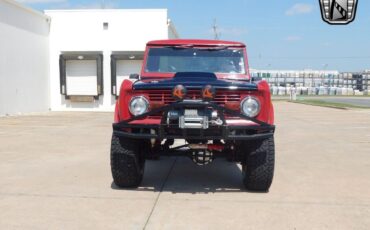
[
  {"x": 250, "y": 106},
  {"x": 138, "y": 105}
]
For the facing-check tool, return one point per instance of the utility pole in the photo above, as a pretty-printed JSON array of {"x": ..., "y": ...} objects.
[{"x": 215, "y": 30}]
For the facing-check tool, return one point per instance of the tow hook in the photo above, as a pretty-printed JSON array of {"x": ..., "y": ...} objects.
[{"x": 217, "y": 122}]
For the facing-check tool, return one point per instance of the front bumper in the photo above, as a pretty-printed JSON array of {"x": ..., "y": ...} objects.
[{"x": 252, "y": 130}]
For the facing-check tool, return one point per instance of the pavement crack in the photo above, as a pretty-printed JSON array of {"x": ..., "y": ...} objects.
[
  {"x": 159, "y": 194},
  {"x": 63, "y": 196}
]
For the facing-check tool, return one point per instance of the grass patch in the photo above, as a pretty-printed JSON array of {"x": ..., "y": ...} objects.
[
  {"x": 280, "y": 99},
  {"x": 323, "y": 103}
]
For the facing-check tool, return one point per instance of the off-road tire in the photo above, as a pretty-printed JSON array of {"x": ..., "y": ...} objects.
[
  {"x": 258, "y": 167},
  {"x": 127, "y": 162}
]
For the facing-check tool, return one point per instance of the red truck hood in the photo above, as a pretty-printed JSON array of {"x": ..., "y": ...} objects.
[{"x": 195, "y": 80}]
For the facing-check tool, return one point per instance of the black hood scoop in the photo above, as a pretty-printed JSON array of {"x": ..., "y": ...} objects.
[{"x": 195, "y": 80}]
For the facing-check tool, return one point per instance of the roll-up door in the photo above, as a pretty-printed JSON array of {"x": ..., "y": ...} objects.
[
  {"x": 81, "y": 78},
  {"x": 124, "y": 69},
  {"x": 81, "y": 75},
  {"x": 124, "y": 63}
]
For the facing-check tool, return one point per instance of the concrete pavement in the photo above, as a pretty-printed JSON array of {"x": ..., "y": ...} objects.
[{"x": 55, "y": 174}]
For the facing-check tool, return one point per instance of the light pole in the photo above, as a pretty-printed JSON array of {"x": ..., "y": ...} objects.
[{"x": 215, "y": 30}]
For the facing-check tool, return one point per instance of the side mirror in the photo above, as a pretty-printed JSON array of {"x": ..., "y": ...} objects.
[
  {"x": 256, "y": 78},
  {"x": 134, "y": 76}
]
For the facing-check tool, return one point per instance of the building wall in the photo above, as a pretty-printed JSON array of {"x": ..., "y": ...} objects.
[
  {"x": 83, "y": 31},
  {"x": 24, "y": 59}
]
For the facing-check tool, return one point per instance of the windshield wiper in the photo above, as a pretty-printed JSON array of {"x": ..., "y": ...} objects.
[
  {"x": 181, "y": 46},
  {"x": 215, "y": 48},
  {"x": 237, "y": 79},
  {"x": 189, "y": 46}
]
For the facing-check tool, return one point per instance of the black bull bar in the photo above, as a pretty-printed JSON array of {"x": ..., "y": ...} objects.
[{"x": 164, "y": 131}]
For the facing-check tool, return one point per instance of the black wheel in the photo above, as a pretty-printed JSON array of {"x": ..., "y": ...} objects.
[
  {"x": 127, "y": 162},
  {"x": 258, "y": 167}
]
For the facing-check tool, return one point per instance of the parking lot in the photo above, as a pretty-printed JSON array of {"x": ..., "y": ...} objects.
[{"x": 55, "y": 174}]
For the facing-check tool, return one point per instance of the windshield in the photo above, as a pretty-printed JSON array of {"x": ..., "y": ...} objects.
[{"x": 215, "y": 60}]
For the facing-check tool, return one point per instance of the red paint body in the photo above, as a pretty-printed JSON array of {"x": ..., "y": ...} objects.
[{"x": 263, "y": 94}]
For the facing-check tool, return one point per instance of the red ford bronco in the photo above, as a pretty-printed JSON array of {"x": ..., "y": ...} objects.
[{"x": 199, "y": 91}]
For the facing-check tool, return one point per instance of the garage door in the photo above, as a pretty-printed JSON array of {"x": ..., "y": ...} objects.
[
  {"x": 81, "y": 78},
  {"x": 125, "y": 68}
]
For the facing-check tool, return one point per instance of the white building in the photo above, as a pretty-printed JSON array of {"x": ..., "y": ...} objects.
[
  {"x": 86, "y": 44},
  {"x": 62, "y": 60},
  {"x": 24, "y": 59}
]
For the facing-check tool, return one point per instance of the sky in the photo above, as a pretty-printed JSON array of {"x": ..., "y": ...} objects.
[{"x": 279, "y": 34}]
